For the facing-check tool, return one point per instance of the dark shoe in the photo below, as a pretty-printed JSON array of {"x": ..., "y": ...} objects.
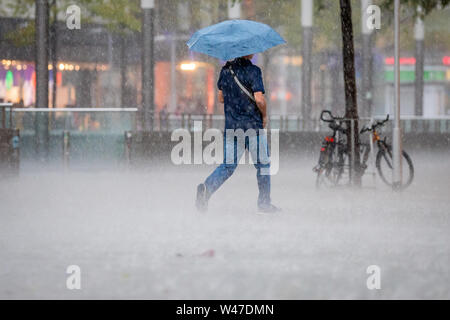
[
  {"x": 268, "y": 208},
  {"x": 202, "y": 200}
]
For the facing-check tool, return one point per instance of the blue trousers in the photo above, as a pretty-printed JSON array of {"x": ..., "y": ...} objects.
[{"x": 233, "y": 151}]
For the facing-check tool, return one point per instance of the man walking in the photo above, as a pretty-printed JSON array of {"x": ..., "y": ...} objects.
[{"x": 241, "y": 89}]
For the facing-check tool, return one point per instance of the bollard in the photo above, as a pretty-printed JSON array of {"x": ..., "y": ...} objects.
[
  {"x": 66, "y": 149},
  {"x": 3, "y": 118},
  {"x": 128, "y": 141},
  {"x": 15, "y": 152},
  {"x": 9, "y": 152},
  {"x": 11, "y": 118}
]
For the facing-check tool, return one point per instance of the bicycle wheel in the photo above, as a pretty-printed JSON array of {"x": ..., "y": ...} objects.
[
  {"x": 384, "y": 165},
  {"x": 325, "y": 167},
  {"x": 330, "y": 171},
  {"x": 341, "y": 167}
]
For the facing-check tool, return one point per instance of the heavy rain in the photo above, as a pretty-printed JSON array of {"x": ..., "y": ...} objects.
[{"x": 112, "y": 149}]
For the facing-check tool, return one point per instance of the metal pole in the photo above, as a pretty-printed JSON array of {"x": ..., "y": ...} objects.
[
  {"x": 173, "y": 74},
  {"x": 42, "y": 44},
  {"x": 397, "y": 142},
  {"x": 323, "y": 67},
  {"x": 352, "y": 151},
  {"x": 53, "y": 51},
  {"x": 283, "y": 84},
  {"x": 372, "y": 154},
  {"x": 419, "y": 32},
  {"x": 123, "y": 70},
  {"x": 147, "y": 63},
  {"x": 307, "y": 36},
  {"x": 367, "y": 60}
]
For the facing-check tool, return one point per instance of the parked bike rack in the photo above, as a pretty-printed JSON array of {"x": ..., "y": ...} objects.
[
  {"x": 372, "y": 157},
  {"x": 370, "y": 161}
]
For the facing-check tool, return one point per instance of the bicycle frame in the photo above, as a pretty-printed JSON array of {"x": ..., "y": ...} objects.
[{"x": 381, "y": 145}]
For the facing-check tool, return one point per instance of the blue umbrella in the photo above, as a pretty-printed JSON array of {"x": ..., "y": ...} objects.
[{"x": 234, "y": 38}]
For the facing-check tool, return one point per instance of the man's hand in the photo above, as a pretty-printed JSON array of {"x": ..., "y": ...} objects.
[
  {"x": 261, "y": 103},
  {"x": 220, "y": 96}
]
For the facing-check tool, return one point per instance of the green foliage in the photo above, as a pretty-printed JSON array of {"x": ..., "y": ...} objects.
[
  {"x": 426, "y": 5},
  {"x": 435, "y": 15},
  {"x": 121, "y": 16},
  {"x": 20, "y": 8},
  {"x": 23, "y": 36},
  {"x": 117, "y": 15}
]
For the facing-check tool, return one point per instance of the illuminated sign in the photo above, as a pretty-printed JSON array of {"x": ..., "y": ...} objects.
[
  {"x": 403, "y": 61},
  {"x": 409, "y": 76},
  {"x": 9, "y": 80},
  {"x": 446, "y": 60},
  {"x": 188, "y": 66}
]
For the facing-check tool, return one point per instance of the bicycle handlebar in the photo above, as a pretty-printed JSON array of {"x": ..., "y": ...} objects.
[
  {"x": 336, "y": 126},
  {"x": 333, "y": 124},
  {"x": 376, "y": 125},
  {"x": 326, "y": 112},
  {"x": 333, "y": 118}
]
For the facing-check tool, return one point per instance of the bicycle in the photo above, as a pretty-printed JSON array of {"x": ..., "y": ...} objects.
[
  {"x": 330, "y": 171},
  {"x": 333, "y": 155},
  {"x": 383, "y": 160}
]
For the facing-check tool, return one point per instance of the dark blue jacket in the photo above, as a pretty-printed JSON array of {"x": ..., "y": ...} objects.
[{"x": 240, "y": 111}]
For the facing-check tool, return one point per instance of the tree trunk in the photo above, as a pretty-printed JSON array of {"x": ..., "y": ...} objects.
[
  {"x": 351, "y": 107},
  {"x": 147, "y": 73}
]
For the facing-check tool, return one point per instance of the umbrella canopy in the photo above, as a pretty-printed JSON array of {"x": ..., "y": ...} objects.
[{"x": 234, "y": 38}]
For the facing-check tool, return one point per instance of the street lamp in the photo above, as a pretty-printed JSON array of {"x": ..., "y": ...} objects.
[
  {"x": 307, "y": 23},
  {"x": 397, "y": 139},
  {"x": 367, "y": 59},
  {"x": 147, "y": 63}
]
